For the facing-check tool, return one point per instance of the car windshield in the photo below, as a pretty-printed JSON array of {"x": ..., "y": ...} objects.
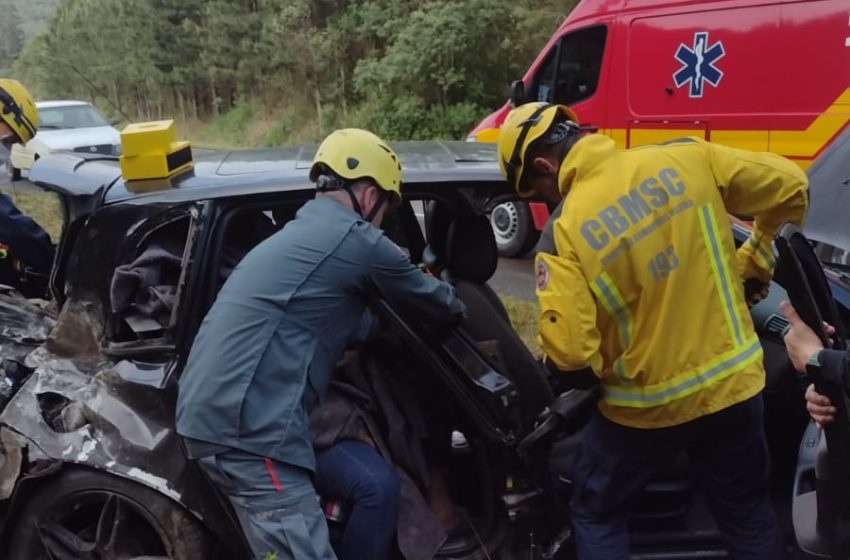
[{"x": 70, "y": 116}]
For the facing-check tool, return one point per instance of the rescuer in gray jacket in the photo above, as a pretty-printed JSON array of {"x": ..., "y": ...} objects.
[{"x": 266, "y": 350}]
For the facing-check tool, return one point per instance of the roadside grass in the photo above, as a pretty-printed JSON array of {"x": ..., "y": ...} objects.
[
  {"x": 41, "y": 206},
  {"x": 203, "y": 135},
  {"x": 524, "y": 315}
]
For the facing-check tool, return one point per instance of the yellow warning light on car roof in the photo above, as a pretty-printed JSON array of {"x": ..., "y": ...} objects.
[{"x": 151, "y": 151}]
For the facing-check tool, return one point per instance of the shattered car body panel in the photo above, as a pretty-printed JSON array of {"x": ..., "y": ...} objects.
[
  {"x": 23, "y": 326},
  {"x": 69, "y": 401},
  {"x": 87, "y": 414}
]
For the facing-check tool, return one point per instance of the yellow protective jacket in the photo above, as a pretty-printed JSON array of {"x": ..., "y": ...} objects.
[{"x": 646, "y": 288}]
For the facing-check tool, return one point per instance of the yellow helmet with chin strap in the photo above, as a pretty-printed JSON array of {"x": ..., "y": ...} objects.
[
  {"x": 522, "y": 126},
  {"x": 352, "y": 154},
  {"x": 17, "y": 109}
]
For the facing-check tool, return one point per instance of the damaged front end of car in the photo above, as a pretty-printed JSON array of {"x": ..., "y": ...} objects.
[{"x": 70, "y": 411}]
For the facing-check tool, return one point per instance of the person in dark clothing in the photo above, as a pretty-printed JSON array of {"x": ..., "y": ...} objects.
[
  {"x": 806, "y": 349},
  {"x": 26, "y": 240},
  {"x": 266, "y": 350}
]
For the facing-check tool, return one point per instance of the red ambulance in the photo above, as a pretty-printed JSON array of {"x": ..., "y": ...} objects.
[{"x": 771, "y": 76}]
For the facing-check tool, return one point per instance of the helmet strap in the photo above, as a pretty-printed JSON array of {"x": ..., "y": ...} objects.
[
  {"x": 354, "y": 204},
  {"x": 382, "y": 200},
  {"x": 326, "y": 183}
]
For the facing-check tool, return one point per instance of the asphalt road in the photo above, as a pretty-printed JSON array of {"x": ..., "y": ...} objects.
[{"x": 513, "y": 276}]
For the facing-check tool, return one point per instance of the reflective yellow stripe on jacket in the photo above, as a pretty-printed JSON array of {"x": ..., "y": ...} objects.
[
  {"x": 687, "y": 383},
  {"x": 722, "y": 275},
  {"x": 614, "y": 303}
]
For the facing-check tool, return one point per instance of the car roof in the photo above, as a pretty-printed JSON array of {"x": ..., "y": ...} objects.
[
  {"x": 218, "y": 174},
  {"x": 59, "y": 103}
]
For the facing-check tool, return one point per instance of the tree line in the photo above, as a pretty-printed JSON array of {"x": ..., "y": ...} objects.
[{"x": 405, "y": 68}]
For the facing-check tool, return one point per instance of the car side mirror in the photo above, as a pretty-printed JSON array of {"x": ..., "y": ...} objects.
[
  {"x": 517, "y": 93},
  {"x": 114, "y": 121}
]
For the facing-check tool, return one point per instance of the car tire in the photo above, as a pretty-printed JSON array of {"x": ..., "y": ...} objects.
[
  {"x": 12, "y": 172},
  {"x": 514, "y": 228},
  {"x": 134, "y": 521}
]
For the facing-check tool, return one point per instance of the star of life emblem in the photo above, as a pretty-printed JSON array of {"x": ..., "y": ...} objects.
[{"x": 698, "y": 64}]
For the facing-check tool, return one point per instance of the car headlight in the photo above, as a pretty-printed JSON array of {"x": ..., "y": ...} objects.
[{"x": 116, "y": 149}]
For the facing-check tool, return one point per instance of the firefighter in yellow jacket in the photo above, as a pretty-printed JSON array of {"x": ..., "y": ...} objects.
[{"x": 645, "y": 297}]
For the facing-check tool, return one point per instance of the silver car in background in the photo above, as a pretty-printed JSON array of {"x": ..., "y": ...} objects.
[{"x": 65, "y": 126}]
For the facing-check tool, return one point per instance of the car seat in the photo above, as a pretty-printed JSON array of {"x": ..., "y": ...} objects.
[{"x": 463, "y": 250}]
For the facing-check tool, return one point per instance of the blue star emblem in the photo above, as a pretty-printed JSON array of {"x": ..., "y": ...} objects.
[{"x": 698, "y": 64}]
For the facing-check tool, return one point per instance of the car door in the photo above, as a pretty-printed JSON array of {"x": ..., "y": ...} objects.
[{"x": 821, "y": 500}]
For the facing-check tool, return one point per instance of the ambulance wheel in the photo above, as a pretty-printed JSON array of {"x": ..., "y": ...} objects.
[
  {"x": 514, "y": 228},
  {"x": 87, "y": 514}
]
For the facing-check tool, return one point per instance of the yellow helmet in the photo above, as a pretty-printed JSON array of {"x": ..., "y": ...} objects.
[
  {"x": 17, "y": 109},
  {"x": 352, "y": 154},
  {"x": 522, "y": 126}
]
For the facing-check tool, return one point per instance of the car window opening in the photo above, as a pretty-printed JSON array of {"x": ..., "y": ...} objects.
[{"x": 143, "y": 291}]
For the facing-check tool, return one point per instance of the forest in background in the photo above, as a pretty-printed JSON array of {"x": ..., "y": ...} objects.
[{"x": 271, "y": 72}]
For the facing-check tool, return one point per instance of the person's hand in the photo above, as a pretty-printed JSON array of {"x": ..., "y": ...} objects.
[
  {"x": 820, "y": 408},
  {"x": 800, "y": 340}
]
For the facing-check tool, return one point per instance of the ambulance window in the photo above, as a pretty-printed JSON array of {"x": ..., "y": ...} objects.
[
  {"x": 575, "y": 77},
  {"x": 541, "y": 85},
  {"x": 579, "y": 65}
]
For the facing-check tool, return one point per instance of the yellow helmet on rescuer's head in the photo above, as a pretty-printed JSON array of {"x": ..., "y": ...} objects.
[
  {"x": 17, "y": 110},
  {"x": 522, "y": 127},
  {"x": 353, "y": 154}
]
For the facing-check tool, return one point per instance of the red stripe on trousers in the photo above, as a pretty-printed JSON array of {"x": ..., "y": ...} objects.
[{"x": 275, "y": 480}]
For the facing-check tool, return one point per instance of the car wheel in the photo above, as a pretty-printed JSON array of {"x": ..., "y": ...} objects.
[
  {"x": 13, "y": 172},
  {"x": 88, "y": 514},
  {"x": 514, "y": 228}
]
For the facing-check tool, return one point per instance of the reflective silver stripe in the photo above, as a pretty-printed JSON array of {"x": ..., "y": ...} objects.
[
  {"x": 720, "y": 272},
  {"x": 619, "y": 369},
  {"x": 615, "y": 305},
  {"x": 769, "y": 259},
  {"x": 647, "y": 396}
]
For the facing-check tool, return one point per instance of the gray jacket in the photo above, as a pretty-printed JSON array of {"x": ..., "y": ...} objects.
[{"x": 265, "y": 352}]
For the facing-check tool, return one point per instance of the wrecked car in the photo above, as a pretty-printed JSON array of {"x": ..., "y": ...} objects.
[{"x": 91, "y": 466}]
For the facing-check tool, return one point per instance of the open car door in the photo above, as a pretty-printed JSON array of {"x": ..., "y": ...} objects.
[{"x": 821, "y": 502}]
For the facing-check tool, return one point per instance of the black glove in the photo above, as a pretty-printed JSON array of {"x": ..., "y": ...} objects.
[
  {"x": 755, "y": 291},
  {"x": 562, "y": 381}
]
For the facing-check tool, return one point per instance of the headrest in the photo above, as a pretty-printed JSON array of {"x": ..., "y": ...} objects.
[{"x": 471, "y": 252}]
